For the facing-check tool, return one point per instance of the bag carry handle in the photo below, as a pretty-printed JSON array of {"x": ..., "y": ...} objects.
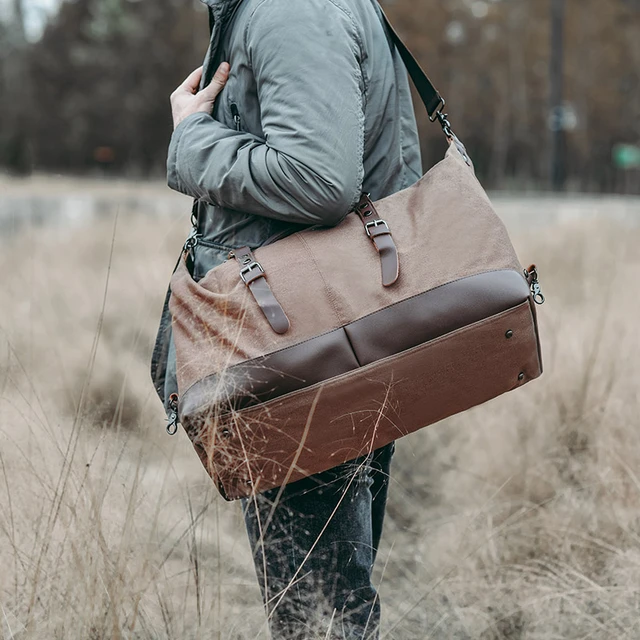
[{"x": 433, "y": 101}]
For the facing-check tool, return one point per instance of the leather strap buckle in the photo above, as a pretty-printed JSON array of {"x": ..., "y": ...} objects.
[
  {"x": 253, "y": 275},
  {"x": 375, "y": 224},
  {"x": 379, "y": 233},
  {"x": 248, "y": 269}
]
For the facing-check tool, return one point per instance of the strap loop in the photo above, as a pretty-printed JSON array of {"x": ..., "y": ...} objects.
[
  {"x": 378, "y": 230},
  {"x": 252, "y": 273}
]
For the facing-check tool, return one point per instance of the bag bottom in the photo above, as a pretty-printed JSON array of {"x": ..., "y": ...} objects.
[{"x": 283, "y": 440}]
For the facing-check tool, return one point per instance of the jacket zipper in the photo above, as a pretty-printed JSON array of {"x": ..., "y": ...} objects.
[{"x": 236, "y": 115}]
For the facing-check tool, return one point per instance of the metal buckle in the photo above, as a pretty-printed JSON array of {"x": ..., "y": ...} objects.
[
  {"x": 248, "y": 269},
  {"x": 443, "y": 119},
  {"x": 375, "y": 223},
  {"x": 438, "y": 110}
]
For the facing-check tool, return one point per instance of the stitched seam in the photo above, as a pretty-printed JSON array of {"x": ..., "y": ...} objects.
[
  {"x": 246, "y": 29},
  {"x": 355, "y": 355},
  {"x": 402, "y": 159},
  {"x": 324, "y": 282}
]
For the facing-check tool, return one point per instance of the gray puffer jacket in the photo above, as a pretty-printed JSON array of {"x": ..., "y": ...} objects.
[{"x": 316, "y": 110}]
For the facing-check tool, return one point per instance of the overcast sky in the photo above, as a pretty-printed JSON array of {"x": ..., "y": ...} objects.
[{"x": 36, "y": 13}]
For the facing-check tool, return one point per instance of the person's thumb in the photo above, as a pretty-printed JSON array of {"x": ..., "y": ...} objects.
[{"x": 211, "y": 91}]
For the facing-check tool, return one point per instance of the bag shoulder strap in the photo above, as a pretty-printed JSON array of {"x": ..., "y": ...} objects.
[{"x": 433, "y": 101}]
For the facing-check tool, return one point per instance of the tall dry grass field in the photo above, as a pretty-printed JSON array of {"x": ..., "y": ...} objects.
[{"x": 518, "y": 519}]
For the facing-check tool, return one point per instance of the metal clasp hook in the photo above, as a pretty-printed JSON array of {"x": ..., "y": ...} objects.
[{"x": 172, "y": 426}]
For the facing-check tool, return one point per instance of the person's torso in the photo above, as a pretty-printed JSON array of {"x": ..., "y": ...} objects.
[{"x": 391, "y": 149}]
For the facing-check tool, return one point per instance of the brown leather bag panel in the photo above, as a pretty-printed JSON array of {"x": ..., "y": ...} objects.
[
  {"x": 274, "y": 375},
  {"x": 280, "y": 441},
  {"x": 384, "y": 333},
  {"x": 435, "y": 313},
  {"x": 444, "y": 228}
]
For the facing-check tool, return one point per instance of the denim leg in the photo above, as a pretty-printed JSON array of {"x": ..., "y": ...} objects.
[
  {"x": 315, "y": 547},
  {"x": 380, "y": 464}
]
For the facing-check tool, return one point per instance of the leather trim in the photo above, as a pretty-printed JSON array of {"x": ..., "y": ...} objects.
[
  {"x": 274, "y": 375},
  {"x": 379, "y": 335},
  {"x": 435, "y": 313}
]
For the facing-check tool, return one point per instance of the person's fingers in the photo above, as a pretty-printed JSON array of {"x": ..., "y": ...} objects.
[
  {"x": 222, "y": 73},
  {"x": 192, "y": 82},
  {"x": 211, "y": 91}
]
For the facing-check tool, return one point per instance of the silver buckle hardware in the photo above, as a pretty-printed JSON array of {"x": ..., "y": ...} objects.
[
  {"x": 248, "y": 269},
  {"x": 376, "y": 223},
  {"x": 531, "y": 274},
  {"x": 443, "y": 119}
]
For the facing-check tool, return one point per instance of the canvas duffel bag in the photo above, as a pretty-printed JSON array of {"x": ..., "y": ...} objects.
[{"x": 333, "y": 342}]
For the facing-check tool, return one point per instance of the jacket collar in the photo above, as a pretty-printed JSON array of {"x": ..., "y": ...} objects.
[{"x": 221, "y": 9}]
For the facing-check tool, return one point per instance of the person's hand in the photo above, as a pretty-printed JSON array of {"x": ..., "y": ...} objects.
[{"x": 186, "y": 99}]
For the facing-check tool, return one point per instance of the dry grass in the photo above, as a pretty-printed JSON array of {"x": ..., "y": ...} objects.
[{"x": 517, "y": 519}]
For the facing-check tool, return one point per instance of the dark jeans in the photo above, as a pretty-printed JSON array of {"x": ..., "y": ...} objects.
[{"x": 314, "y": 546}]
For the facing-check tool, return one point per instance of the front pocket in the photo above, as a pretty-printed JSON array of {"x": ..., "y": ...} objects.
[
  {"x": 338, "y": 381},
  {"x": 387, "y": 332}
]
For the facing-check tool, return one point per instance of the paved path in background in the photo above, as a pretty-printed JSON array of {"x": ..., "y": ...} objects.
[{"x": 66, "y": 202}]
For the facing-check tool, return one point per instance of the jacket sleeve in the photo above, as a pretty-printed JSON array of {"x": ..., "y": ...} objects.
[{"x": 309, "y": 166}]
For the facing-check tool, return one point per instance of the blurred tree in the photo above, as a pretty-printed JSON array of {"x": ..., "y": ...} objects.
[
  {"x": 104, "y": 70},
  {"x": 491, "y": 60},
  {"x": 15, "y": 135}
]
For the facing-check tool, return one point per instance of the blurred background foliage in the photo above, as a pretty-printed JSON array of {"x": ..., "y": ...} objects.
[{"x": 89, "y": 93}]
